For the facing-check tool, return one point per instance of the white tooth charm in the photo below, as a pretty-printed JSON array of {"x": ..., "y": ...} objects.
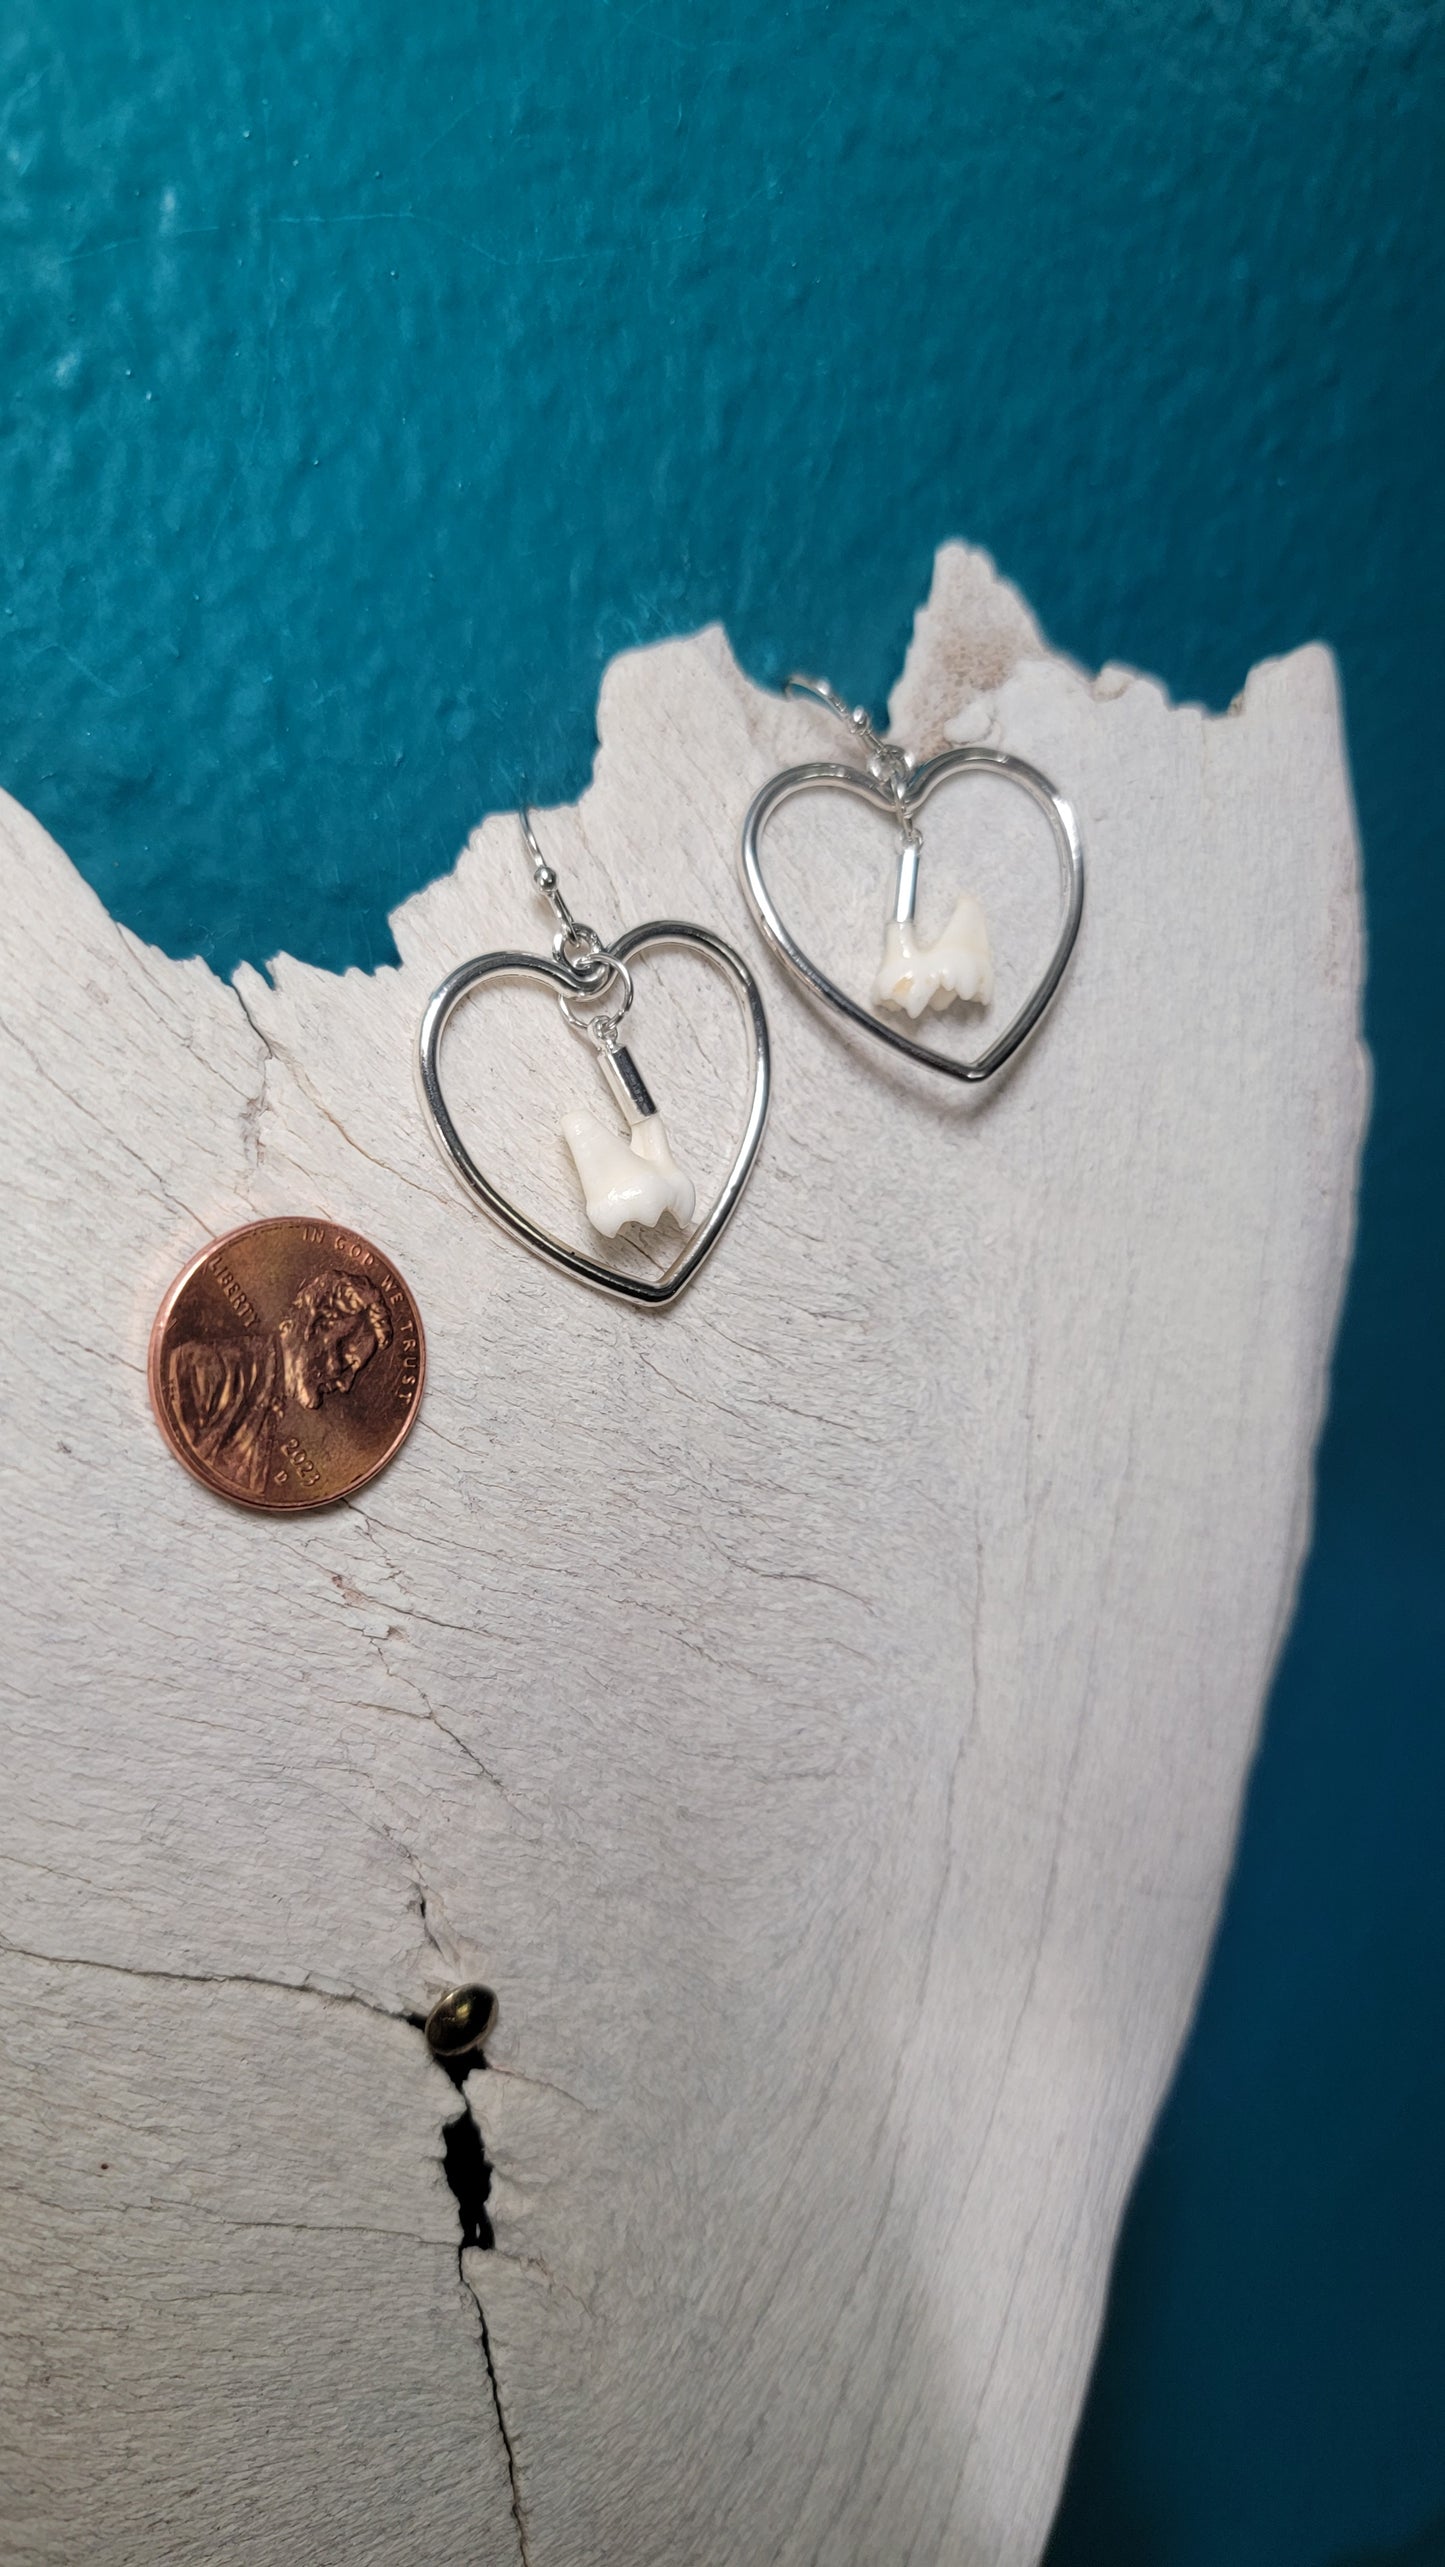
[
  {"x": 957, "y": 965},
  {"x": 633, "y": 1178}
]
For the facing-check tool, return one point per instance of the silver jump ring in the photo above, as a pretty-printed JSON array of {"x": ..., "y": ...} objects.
[
  {"x": 581, "y": 952},
  {"x": 601, "y": 1029}
]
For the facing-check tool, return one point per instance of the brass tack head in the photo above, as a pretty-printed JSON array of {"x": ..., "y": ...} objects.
[{"x": 460, "y": 2021}]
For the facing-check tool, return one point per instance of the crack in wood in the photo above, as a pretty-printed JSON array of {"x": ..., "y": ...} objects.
[{"x": 468, "y": 2171}]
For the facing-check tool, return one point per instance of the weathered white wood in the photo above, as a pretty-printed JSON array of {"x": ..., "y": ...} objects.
[
  {"x": 234, "y": 2329},
  {"x": 820, "y": 1710}
]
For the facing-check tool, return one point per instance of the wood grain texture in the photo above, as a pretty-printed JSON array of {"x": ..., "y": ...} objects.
[{"x": 820, "y": 1710}]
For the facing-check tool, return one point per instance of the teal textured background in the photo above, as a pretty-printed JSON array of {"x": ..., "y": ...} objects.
[{"x": 373, "y": 373}]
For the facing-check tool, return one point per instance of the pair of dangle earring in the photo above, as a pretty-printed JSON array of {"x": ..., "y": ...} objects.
[
  {"x": 629, "y": 1180},
  {"x": 914, "y": 979}
]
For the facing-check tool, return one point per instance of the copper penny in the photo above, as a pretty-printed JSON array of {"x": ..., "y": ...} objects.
[{"x": 286, "y": 1364}]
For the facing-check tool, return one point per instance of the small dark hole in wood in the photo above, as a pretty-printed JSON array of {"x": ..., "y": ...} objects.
[
  {"x": 465, "y": 2162},
  {"x": 467, "y": 2170}
]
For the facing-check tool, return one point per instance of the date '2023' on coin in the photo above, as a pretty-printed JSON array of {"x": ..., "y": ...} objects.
[{"x": 286, "y": 1364}]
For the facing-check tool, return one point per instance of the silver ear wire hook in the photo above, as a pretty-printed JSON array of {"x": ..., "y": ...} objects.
[
  {"x": 822, "y": 693},
  {"x": 888, "y": 765},
  {"x": 582, "y": 954},
  {"x": 577, "y": 948}
]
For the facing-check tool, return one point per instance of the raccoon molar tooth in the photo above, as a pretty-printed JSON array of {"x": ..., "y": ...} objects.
[
  {"x": 957, "y": 965},
  {"x": 627, "y": 1177}
]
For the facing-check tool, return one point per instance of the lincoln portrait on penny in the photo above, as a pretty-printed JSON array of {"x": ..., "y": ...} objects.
[{"x": 229, "y": 1395}]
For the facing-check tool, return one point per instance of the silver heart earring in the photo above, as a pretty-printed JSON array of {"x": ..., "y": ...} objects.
[
  {"x": 629, "y": 1180},
  {"x": 914, "y": 978}
]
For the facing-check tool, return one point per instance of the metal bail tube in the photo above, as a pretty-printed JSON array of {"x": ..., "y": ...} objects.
[
  {"x": 627, "y": 1083},
  {"x": 907, "y": 893}
]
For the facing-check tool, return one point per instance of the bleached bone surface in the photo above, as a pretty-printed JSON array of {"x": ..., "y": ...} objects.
[{"x": 820, "y": 1709}]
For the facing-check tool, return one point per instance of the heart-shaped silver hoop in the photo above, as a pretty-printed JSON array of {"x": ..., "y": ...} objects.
[
  {"x": 922, "y": 782},
  {"x": 556, "y": 974}
]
